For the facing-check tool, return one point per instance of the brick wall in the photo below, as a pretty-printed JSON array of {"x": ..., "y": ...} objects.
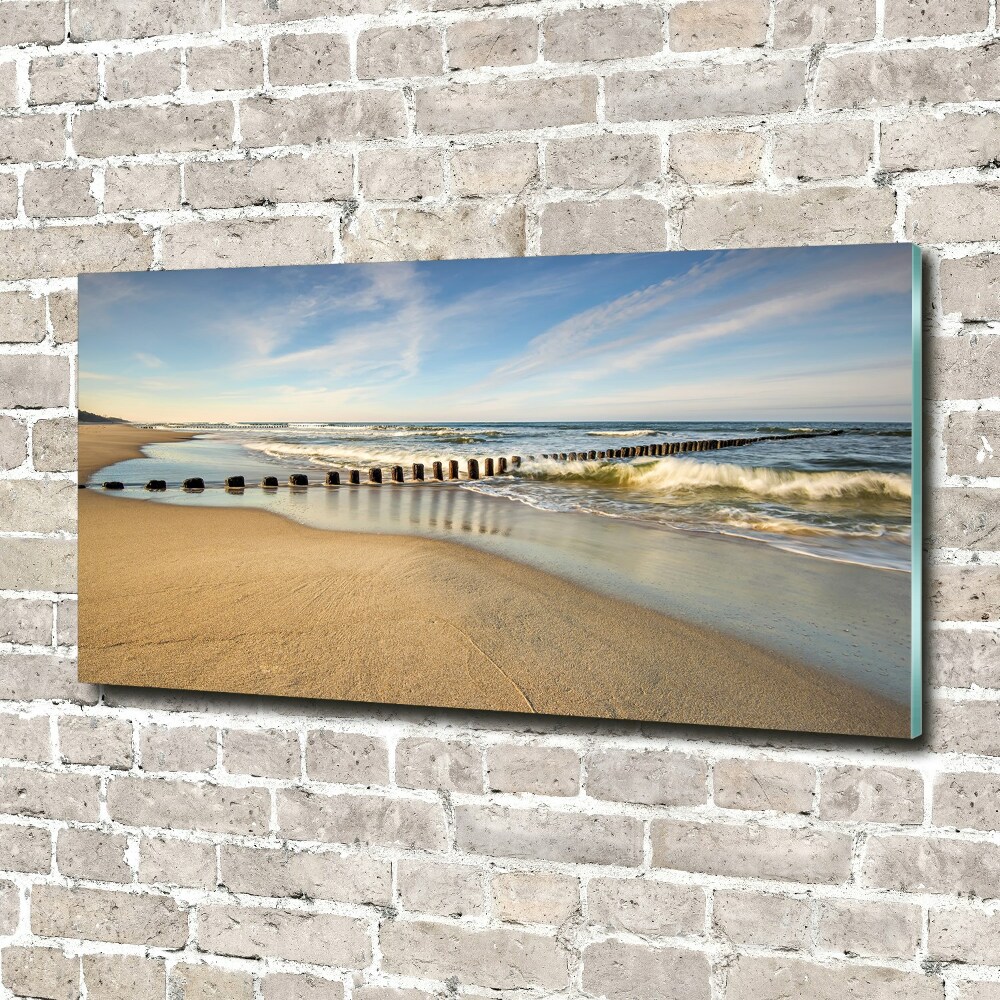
[{"x": 161, "y": 845}]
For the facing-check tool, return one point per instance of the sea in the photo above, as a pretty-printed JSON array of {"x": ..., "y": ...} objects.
[
  {"x": 844, "y": 496},
  {"x": 648, "y": 529}
]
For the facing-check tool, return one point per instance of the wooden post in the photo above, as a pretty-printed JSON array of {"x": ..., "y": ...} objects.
[
  {"x": 488, "y": 468},
  {"x": 354, "y": 477},
  {"x": 573, "y": 456},
  {"x": 269, "y": 483},
  {"x": 563, "y": 456},
  {"x": 601, "y": 454},
  {"x": 156, "y": 485},
  {"x": 375, "y": 476},
  {"x": 473, "y": 469},
  {"x": 437, "y": 471},
  {"x": 194, "y": 483},
  {"x": 397, "y": 473},
  {"x": 501, "y": 466},
  {"x": 113, "y": 484},
  {"x": 333, "y": 479},
  {"x": 515, "y": 461},
  {"x": 453, "y": 469},
  {"x": 298, "y": 479},
  {"x": 235, "y": 482},
  {"x": 418, "y": 472},
  {"x": 592, "y": 455}
]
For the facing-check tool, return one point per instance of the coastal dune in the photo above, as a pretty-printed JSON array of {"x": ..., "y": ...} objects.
[{"x": 246, "y": 601}]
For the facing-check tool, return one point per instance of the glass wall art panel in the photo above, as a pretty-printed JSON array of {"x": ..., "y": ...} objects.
[{"x": 665, "y": 487}]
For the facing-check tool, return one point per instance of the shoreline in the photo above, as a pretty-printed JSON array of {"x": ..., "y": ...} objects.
[
  {"x": 117, "y": 443},
  {"x": 270, "y": 606}
]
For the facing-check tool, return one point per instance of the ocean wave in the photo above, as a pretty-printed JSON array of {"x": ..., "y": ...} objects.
[
  {"x": 622, "y": 434},
  {"x": 784, "y": 429},
  {"x": 325, "y": 455},
  {"x": 672, "y": 476},
  {"x": 772, "y": 524}
]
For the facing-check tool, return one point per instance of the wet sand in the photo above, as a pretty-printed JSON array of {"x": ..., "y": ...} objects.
[
  {"x": 102, "y": 445},
  {"x": 247, "y": 601}
]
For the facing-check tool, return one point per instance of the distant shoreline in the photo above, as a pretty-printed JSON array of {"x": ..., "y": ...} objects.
[{"x": 101, "y": 445}]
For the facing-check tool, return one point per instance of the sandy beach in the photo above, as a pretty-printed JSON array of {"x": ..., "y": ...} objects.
[
  {"x": 102, "y": 445},
  {"x": 247, "y": 601}
]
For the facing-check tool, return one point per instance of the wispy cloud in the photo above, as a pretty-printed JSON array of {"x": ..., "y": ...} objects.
[{"x": 644, "y": 335}]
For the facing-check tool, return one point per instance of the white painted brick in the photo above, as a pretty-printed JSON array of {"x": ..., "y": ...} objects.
[
  {"x": 63, "y": 79},
  {"x": 873, "y": 929},
  {"x": 142, "y": 188},
  {"x": 643, "y": 906},
  {"x": 484, "y": 170},
  {"x": 309, "y": 59},
  {"x": 919, "y": 18},
  {"x": 41, "y": 972},
  {"x": 143, "y": 74},
  {"x": 541, "y": 141},
  {"x": 698, "y": 25},
  {"x": 320, "y": 177},
  {"x": 25, "y": 621},
  {"x": 915, "y": 76},
  {"x": 626, "y": 225},
  {"x": 172, "y": 861},
  {"x": 710, "y": 90},
  {"x": 764, "y": 919},
  {"x": 765, "y": 978},
  {"x": 22, "y": 318},
  {"x": 716, "y": 157},
  {"x": 822, "y": 152},
  {"x": 509, "y": 41},
  {"x": 58, "y": 194},
  {"x": 603, "y": 161},
  {"x": 468, "y": 230},
  {"x": 33, "y": 21},
  {"x": 514, "y": 104},
  {"x": 93, "y": 19},
  {"x": 9, "y": 97},
  {"x": 811, "y": 22},
  {"x": 622, "y": 970},
  {"x": 535, "y": 898},
  {"x": 413, "y": 50},
  {"x": 936, "y": 142},
  {"x": 13, "y": 442},
  {"x": 359, "y": 114},
  {"x": 439, "y": 888},
  {"x": 595, "y": 34},
  {"x": 225, "y": 67},
  {"x": 807, "y": 216},
  {"x": 401, "y": 174},
  {"x": 169, "y": 129},
  {"x": 123, "y": 977},
  {"x": 33, "y": 138},
  {"x": 243, "y": 243}
]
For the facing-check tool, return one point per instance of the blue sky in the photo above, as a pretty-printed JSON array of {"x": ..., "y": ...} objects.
[{"x": 809, "y": 333}]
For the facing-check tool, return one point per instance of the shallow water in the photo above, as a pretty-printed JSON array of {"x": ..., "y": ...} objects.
[
  {"x": 844, "y": 497},
  {"x": 850, "y": 620}
]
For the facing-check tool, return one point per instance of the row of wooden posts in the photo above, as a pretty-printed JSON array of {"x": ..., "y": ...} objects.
[{"x": 490, "y": 467}]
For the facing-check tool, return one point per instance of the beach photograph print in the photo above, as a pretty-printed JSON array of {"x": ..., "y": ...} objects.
[{"x": 662, "y": 487}]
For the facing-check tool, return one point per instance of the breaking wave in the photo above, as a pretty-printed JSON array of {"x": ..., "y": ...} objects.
[
  {"x": 623, "y": 434},
  {"x": 677, "y": 476}
]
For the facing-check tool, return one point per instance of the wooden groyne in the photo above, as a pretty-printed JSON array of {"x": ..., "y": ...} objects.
[{"x": 489, "y": 468}]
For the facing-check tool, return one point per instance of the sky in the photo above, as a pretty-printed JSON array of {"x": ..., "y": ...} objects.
[{"x": 786, "y": 334}]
